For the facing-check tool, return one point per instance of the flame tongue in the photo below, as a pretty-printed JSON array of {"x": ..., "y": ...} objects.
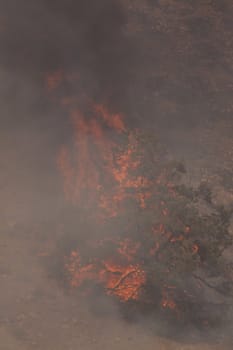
[{"x": 97, "y": 172}]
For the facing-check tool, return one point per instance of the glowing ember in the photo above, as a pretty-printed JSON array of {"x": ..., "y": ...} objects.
[
  {"x": 123, "y": 281},
  {"x": 168, "y": 303},
  {"x": 195, "y": 249}
]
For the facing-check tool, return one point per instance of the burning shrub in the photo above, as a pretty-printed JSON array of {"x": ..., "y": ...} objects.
[{"x": 140, "y": 235}]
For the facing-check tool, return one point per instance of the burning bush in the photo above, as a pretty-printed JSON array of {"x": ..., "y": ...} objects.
[{"x": 132, "y": 227}]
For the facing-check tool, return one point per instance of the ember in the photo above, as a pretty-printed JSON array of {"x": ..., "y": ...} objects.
[{"x": 123, "y": 281}]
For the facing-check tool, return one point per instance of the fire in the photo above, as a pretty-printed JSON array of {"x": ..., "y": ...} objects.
[
  {"x": 121, "y": 280},
  {"x": 128, "y": 249},
  {"x": 101, "y": 171},
  {"x": 64, "y": 164},
  {"x": 168, "y": 303},
  {"x": 53, "y": 80},
  {"x": 195, "y": 249},
  {"x": 114, "y": 121},
  {"x": 97, "y": 170},
  {"x": 124, "y": 281}
]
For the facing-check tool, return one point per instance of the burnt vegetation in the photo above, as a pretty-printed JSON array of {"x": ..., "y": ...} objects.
[{"x": 178, "y": 246}]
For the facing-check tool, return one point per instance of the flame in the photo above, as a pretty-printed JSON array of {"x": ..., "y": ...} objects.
[
  {"x": 101, "y": 171},
  {"x": 168, "y": 303},
  {"x": 128, "y": 248},
  {"x": 195, "y": 249},
  {"x": 54, "y": 80},
  {"x": 114, "y": 121},
  {"x": 67, "y": 171},
  {"x": 96, "y": 169},
  {"x": 98, "y": 172},
  {"x": 121, "y": 280}
]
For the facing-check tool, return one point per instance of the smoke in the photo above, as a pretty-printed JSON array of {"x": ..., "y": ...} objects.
[
  {"x": 83, "y": 36},
  {"x": 164, "y": 66},
  {"x": 160, "y": 67},
  {"x": 37, "y": 38}
]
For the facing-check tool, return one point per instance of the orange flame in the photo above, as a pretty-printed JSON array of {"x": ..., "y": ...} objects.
[
  {"x": 97, "y": 160},
  {"x": 123, "y": 281},
  {"x": 100, "y": 174}
]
